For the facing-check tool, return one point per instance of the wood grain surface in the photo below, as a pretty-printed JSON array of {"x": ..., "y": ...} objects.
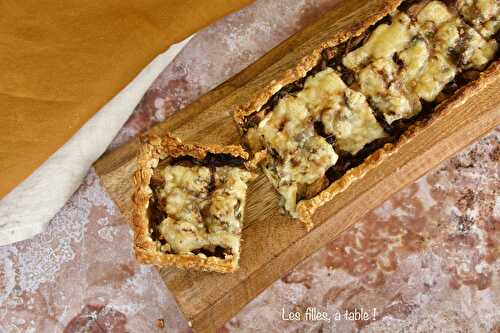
[{"x": 273, "y": 243}]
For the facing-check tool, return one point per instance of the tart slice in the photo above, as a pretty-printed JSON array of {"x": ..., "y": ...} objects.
[
  {"x": 347, "y": 106},
  {"x": 302, "y": 136},
  {"x": 189, "y": 204}
]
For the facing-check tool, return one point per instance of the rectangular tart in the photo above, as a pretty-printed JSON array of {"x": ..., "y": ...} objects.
[
  {"x": 189, "y": 204},
  {"x": 356, "y": 99}
]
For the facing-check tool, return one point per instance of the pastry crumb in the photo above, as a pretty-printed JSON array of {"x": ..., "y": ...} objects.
[{"x": 160, "y": 323}]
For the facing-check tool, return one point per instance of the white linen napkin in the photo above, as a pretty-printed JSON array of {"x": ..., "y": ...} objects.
[{"x": 28, "y": 208}]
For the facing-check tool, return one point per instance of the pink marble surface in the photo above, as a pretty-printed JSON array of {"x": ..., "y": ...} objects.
[{"x": 426, "y": 260}]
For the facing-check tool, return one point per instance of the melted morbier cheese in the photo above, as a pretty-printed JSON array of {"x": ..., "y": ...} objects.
[
  {"x": 185, "y": 194},
  {"x": 382, "y": 83},
  {"x": 454, "y": 34},
  {"x": 228, "y": 200},
  {"x": 343, "y": 111},
  {"x": 483, "y": 15},
  {"x": 425, "y": 65},
  {"x": 300, "y": 156},
  {"x": 384, "y": 41},
  {"x": 449, "y": 35},
  {"x": 401, "y": 63},
  {"x": 198, "y": 219},
  {"x": 380, "y": 78},
  {"x": 434, "y": 23}
]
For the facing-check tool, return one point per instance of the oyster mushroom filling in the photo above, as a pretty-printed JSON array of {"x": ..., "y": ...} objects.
[
  {"x": 367, "y": 91},
  {"x": 198, "y": 206}
]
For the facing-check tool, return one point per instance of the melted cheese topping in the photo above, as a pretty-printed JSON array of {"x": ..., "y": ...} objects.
[
  {"x": 402, "y": 63},
  {"x": 383, "y": 42},
  {"x": 483, "y": 15},
  {"x": 448, "y": 33},
  {"x": 433, "y": 15},
  {"x": 198, "y": 219},
  {"x": 343, "y": 111},
  {"x": 380, "y": 81},
  {"x": 380, "y": 78},
  {"x": 299, "y": 156},
  {"x": 425, "y": 64},
  {"x": 434, "y": 22},
  {"x": 228, "y": 200},
  {"x": 454, "y": 34}
]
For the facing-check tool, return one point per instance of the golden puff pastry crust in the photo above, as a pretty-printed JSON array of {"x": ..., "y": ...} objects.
[{"x": 148, "y": 248}]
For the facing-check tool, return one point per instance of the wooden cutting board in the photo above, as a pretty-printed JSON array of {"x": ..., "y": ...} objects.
[{"x": 273, "y": 243}]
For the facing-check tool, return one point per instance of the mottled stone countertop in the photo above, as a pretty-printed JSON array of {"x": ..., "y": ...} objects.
[{"x": 426, "y": 260}]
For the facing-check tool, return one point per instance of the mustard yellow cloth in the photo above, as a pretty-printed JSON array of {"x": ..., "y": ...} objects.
[{"x": 61, "y": 60}]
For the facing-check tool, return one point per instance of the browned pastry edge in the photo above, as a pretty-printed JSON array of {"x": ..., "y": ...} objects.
[
  {"x": 306, "y": 208},
  {"x": 154, "y": 148}
]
